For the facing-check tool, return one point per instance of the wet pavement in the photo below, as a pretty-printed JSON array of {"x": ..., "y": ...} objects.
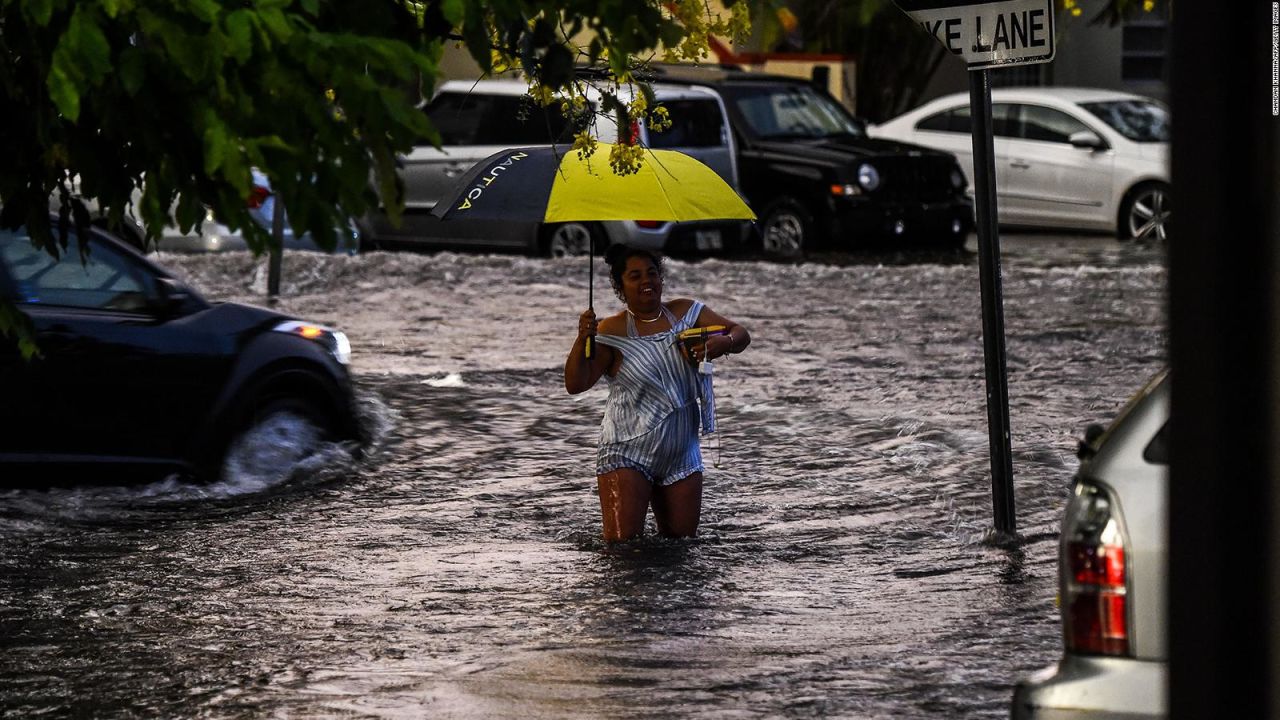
[{"x": 845, "y": 568}]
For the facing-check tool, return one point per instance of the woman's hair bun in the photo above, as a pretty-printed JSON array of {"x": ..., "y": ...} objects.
[{"x": 616, "y": 253}]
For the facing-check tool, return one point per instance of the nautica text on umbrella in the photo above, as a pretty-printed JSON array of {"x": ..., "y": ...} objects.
[{"x": 482, "y": 183}]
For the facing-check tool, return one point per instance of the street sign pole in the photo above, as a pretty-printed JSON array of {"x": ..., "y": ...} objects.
[
  {"x": 277, "y": 250},
  {"x": 987, "y": 34},
  {"x": 990, "y": 284}
]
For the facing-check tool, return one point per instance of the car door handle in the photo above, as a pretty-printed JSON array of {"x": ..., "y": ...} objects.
[
  {"x": 57, "y": 337},
  {"x": 1020, "y": 164}
]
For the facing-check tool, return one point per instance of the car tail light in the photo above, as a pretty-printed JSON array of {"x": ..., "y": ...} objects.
[
  {"x": 649, "y": 224},
  {"x": 1095, "y": 617},
  {"x": 257, "y": 196},
  {"x": 634, "y": 137}
]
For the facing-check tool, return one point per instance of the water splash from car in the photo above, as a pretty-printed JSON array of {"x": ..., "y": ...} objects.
[{"x": 283, "y": 454}]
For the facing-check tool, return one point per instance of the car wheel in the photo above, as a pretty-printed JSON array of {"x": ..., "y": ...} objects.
[
  {"x": 278, "y": 435},
  {"x": 569, "y": 239},
  {"x": 366, "y": 239},
  {"x": 1144, "y": 214},
  {"x": 784, "y": 232}
]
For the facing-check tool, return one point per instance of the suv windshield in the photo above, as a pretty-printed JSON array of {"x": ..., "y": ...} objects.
[
  {"x": 474, "y": 118},
  {"x": 1138, "y": 120},
  {"x": 790, "y": 111}
]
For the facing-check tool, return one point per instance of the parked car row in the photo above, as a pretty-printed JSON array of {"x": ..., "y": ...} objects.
[
  {"x": 816, "y": 176},
  {"x": 1064, "y": 157},
  {"x": 803, "y": 163},
  {"x": 213, "y": 235},
  {"x": 478, "y": 119}
]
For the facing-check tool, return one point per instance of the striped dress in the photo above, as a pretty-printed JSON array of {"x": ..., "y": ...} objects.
[{"x": 652, "y": 415}]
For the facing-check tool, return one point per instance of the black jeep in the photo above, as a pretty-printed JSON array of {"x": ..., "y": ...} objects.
[{"x": 818, "y": 182}]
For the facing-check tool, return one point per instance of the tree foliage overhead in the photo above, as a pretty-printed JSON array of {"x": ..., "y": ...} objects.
[
  {"x": 318, "y": 94},
  {"x": 160, "y": 108}
]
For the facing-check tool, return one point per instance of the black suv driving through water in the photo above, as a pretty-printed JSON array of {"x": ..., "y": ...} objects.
[
  {"x": 818, "y": 182},
  {"x": 138, "y": 375}
]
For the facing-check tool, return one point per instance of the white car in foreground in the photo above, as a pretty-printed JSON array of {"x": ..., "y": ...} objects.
[
  {"x": 1112, "y": 575},
  {"x": 1065, "y": 157}
]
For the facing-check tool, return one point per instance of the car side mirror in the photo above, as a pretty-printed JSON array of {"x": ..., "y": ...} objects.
[
  {"x": 171, "y": 295},
  {"x": 1088, "y": 446},
  {"x": 1087, "y": 140}
]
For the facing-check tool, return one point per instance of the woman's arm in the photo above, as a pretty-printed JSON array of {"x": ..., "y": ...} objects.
[
  {"x": 581, "y": 372},
  {"x": 734, "y": 341}
]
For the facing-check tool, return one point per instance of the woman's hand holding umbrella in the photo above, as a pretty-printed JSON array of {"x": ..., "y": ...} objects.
[{"x": 587, "y": 327}]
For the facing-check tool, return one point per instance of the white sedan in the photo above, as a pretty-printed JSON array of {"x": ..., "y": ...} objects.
[{"x": 1064, "y": 157}]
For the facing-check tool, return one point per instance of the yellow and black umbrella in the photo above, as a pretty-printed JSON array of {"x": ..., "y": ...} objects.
[{"x": 548, "y": 184}]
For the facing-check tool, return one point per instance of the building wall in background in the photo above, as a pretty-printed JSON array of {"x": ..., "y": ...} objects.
[
  {"x": 1131, "y": 57},
  {"x": 841, "y": 71}
]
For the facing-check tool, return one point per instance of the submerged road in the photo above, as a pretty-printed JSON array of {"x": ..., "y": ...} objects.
[{"x": 845, "y": 567}]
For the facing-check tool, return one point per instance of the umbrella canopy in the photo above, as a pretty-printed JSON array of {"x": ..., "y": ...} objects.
[
  {"x": 547, "y": 184},
  {"x": 552, "y": 184}
]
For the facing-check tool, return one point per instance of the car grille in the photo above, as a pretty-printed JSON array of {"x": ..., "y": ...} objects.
[{"x": 906, "y": 178}]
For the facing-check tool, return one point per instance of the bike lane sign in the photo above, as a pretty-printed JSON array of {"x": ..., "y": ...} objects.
[{"x": 988, "y": 34}]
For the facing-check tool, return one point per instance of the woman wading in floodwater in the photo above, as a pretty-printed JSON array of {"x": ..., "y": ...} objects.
[{"x": 649, "y": 450}]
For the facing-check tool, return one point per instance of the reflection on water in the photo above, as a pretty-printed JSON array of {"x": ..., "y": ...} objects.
[{"x": 845, "y": 567}]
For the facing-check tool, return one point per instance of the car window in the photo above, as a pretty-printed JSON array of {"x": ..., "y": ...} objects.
[
  {"x": 105, "y": 280},
  {"x": 474, "y": 118},
  {"x": 1004, "y": 121},
  {"x": 1138, "y": 120},
  {"x": 1049, "y": 125},
  {"x": 1157, "y": 451},
  {"x": 937, "y": 122},
  {"x": 694, "y": 123},
  {"x": 791, "y": 111}
]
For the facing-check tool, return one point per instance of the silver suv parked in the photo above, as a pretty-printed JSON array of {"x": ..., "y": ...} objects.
[
  {"x": 477, "y": 119},
  {"x": 1112, "y": 575}
]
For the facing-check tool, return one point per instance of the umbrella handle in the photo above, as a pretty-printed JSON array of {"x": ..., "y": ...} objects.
[{"x": 591, "y": 291}]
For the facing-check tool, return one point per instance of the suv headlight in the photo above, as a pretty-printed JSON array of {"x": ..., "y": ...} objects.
[
  {"x": 335, "y": 341},
  {"x": 868, "y": 176}
]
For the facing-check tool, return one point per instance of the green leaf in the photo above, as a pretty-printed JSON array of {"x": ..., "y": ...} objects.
[
  {"x": 90, "y": 45},
  {"x": 557, "y": 66},
  {"x": 39, "y": 11},
  {"x": 62, "y": 90},
  {"x": 16, "y": 324},
  {"x": 216, "y": 144},
  {"x": 276, "y": 23},
  {"x": 311, "y": 7},
  {"x": 454, "y": 11},
  {"x": 239, "y": 26},
  {"x": 476, "y": 35},
  {"x": 132, "y": 70},
  {"x": 205, "y": 10},
  {"x": 189, "y": 211}
]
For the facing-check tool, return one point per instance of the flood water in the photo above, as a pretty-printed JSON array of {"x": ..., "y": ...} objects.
[{"x": 845, "y": 567}]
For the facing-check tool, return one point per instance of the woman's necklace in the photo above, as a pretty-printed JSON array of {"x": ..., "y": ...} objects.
[{"x": 653, "y": 319}]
